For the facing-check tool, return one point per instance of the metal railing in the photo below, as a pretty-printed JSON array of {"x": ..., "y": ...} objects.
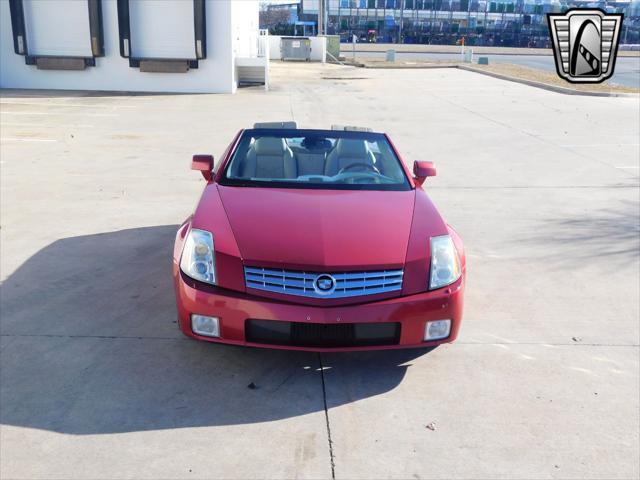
[{"x": 254, "y": 45}]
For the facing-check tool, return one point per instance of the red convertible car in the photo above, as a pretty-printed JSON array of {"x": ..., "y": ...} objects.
[{"x": 317, "y": 240}]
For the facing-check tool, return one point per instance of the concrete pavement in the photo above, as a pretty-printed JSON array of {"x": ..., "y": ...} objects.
[
  {"x": 96, "y": 381},
  {"x": 627, "y": 69}
]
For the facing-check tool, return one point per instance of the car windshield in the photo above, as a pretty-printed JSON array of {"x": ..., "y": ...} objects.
[{"x": 324, "y": 159}]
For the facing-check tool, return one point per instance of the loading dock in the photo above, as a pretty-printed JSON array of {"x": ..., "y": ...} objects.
[
  {"x": 162, "y": 35},
  {"x": 72, "y": 42},
  {"x": 150, "y": 46}
]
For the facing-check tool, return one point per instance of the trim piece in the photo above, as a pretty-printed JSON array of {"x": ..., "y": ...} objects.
[
  {"x": 18, "y": 28},
  {"x": 96, "y": 29},
  {"x": 200, "y": 28},
  {"x": 124, "y": 28},
  {"x": 60, "y": 63},
  {"x": 164, "y": 66}
]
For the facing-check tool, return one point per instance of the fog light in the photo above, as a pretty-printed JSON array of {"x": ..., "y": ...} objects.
[
  {"x": 207, "y": 326},
  {"x": 437, "y": 330}
]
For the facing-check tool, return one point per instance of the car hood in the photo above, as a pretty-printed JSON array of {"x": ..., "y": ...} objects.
[{"x": 319, "y": 229}]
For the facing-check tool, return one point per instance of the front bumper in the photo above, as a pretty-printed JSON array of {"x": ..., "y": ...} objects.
[{"x": 235, "y": 308}]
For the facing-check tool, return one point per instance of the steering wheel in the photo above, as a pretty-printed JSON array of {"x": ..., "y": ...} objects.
[{"x": 367, "y": 166}]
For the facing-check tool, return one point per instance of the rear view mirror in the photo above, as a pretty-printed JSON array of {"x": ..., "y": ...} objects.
[
  {"x": 203, "y": 163},
  {"x": 422, "y": 170}
]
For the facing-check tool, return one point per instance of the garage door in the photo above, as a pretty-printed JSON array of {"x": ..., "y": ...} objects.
[
  {"x": 57, "y": 28},
  {"x": 162, "y": 29}
]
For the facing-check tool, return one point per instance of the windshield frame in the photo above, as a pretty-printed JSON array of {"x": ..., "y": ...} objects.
[{"x": 224, "y": 180}]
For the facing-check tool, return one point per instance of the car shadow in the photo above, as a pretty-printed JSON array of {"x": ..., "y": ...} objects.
[
  {"x": 90, "y": 346},
  {"x": 66, "y": 94},
  {"x": 608, "y": 236}
]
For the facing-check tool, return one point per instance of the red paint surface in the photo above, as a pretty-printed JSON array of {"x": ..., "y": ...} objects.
[{"x": 326, "y": 229}]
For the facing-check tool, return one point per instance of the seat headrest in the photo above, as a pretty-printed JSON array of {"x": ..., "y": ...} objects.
[
  {"x": 351, "y": 147},
  {"x": 270, "y": 146},
  {"x": 316, "y": 143}
]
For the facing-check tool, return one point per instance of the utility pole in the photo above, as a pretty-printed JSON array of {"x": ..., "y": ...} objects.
[
  {"x": 401, "y": 20},
  {"x": 325, "y": 12},
  {"x": 320, "y": 17},
  {"x": 625, "y": 33},
  {"x": 349, "y": 24},
  {"x": 384, "y": 20},
  {"x": 367, "y": 21},
  {"x": 432, "y": 14},
  {"x": 484, "y": 26}
]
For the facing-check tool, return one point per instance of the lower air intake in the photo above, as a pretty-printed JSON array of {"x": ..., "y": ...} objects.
[{"x": 342, "y": 335}]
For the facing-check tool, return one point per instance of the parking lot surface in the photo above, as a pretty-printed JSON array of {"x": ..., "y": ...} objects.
[
  {"x": 627, "y": 69},
  {"x": 97, "y": 382}
]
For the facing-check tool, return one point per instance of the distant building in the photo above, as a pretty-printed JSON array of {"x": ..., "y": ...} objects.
[
  {"x": 519, "y": 23},
  {"x": 287, "y": 19}
]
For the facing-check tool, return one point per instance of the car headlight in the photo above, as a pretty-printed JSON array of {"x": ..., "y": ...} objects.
[
  {"x": 445, "y": 264},
  {"x": 198, "y": 260}
]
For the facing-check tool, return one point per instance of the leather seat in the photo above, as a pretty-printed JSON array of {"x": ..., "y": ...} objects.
[
  {"x": 269, "y": 157},
  {"x": 347, "y": 152},
  {"x": 312, "y": 156},
  {"x": 311, "y": 163}
]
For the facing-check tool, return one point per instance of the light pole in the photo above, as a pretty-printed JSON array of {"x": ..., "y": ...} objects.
[
  {"x": 401, "y": 20},
  {"x": 320, "y": 17}
]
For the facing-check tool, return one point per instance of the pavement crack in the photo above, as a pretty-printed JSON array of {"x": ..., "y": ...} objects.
[
  {"x": 291, "y": 105},
  {"x": 326, "y": 417},
  {"x": 547, "y": 344},
  {"x": 109, "y": 337}
]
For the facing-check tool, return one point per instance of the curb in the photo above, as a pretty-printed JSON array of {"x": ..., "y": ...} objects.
[
  {"x": 547, "y": 53},
  {"x": 542, "y": 52},
  {"x": 407, "y": 67},
  {"x": 500, "y": 76},
  {"x": 546, "y": 86}
]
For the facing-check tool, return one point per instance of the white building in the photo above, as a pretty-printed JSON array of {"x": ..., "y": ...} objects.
[{"x": 129, "y": 45}]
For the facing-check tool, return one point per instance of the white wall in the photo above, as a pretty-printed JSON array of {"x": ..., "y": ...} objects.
[
  {"x": 245, "y": 27},
  {"x": 112, "y": 72},
  {"x": 318, "y": 48},
  {"x": 244, "y": 31},
  {"x": 274, "y": 48}
]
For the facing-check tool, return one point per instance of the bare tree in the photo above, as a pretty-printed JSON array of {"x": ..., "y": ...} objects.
[{"x": 271, "y": 17}]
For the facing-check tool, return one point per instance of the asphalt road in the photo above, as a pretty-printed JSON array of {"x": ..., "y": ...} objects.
[
  {"x": 96, "y": 381},
  {"x": 627, "y": 69}
]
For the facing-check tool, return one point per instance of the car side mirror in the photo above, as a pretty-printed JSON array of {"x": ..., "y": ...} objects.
[
  {"x": 204, "y": 163},
  {"x": 422, "y": 170}
]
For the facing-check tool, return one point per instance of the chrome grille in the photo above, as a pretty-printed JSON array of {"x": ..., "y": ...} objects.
[{"x": 306, "y": 284}]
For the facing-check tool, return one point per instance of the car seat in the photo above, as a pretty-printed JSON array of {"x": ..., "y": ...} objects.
[
  {"x": 347, "y": 152},
  {"x": 269, "y": 157}
]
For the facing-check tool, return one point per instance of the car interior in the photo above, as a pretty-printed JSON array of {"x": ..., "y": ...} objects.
[
  {"x": 269, "y": 157},
  {"x": 312, "y": 156}
]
